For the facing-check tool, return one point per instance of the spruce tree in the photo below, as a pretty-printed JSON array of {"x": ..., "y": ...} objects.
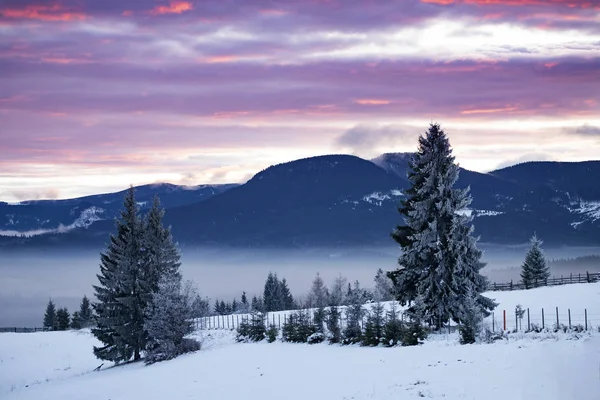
[
  {"x": 374, "y": 326},
  {"x": 75, "y": 321},
  {"x": 318, "y": 299},
  {"x": 169, "y": 321},
  {"x": 63, "y": 319},
  {"x": 337, "y": 293},
  {"x": 383, "y": 290},
  {"x": 286, "y": 296},
  {"x": 85, "y": 315},
  {"x": 121, "y": 293},
  {"x": 535, "y": 271},
  {"x": 440, "y": 262},
  {"x": 332, "y": 322},
  {"x": 393, "y": 328},
  {"x": 272, "y": 297},
  {"x": 354, "y": 316},
  {"x": 50, "y": 316},
  {"x": 161, "y": 255}
]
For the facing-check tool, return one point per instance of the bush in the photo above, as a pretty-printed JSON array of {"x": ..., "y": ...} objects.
[
  {"x": 373, "y": 334},
  {"x": 253, "y": 330},
  {"x": 414, "y": 332},
  {"x": 332, "y": 321},
  {"x": 316, "y": 337},
  {"x": 272, "y": 333},
  {"x": 393, "y": 328},
  {"x": 298, "y": 328}
]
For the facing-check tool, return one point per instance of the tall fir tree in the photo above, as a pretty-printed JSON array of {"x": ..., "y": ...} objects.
[
  {"x": 354, "y": 315},
  {"x": 440, "y": 263},
  {"x": 161, "y": 255},
  {"x": 85, "y": 314},
  {"x": 318, "y": 300},
  {"x": 50, "y": 316},
  {"x": 383, "y": 290},
  {"x": 286, "y": 296},
  {"x": 535, "y": 270},
  {"x": 272, "y": 299},
  {"x": 118, "y": 310},
  {"x": 337, "y": 292},
  {"x": 63, "y": 319}
]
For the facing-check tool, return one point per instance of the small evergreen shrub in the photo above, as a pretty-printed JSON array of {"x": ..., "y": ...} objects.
[
  {"x": 252, "y": 330},
  {"x": 332, "y": 321},
  {"x": 272, "y": 333},
  {"x": 298, "y": 328}
]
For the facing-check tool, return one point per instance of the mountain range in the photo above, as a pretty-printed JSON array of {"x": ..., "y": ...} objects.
[{"x": 329, "y": 201}]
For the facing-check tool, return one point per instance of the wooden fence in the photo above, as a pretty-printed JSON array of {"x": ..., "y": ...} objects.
[
  {"x": 554, "y": 281},
  {"x": 20, "y": 330},
  {"x": 498, "y": 321}
]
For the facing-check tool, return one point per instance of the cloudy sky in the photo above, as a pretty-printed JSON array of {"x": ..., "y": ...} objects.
[{"x": 96, "y": 95}]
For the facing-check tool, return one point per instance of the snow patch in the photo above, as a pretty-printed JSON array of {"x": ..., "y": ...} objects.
[
  {"x": 588, "y": 209},
  {"x": 377, "y": 198}
]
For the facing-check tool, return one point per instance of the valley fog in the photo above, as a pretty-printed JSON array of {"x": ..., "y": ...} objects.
[{"x": 29, "y": 280}]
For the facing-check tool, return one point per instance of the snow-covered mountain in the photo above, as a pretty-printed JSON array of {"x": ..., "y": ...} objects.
[
  {"x": 59, "y": 216},
  {"x": 342, "y": 200}
]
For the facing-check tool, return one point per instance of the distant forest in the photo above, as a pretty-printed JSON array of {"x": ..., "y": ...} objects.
[{"x": 582, "y": 262}]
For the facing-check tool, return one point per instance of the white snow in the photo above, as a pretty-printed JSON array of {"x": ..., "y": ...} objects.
[
  {"x": 377, "y": 198},
  {"x": 59, "y": 365},
  {"x": 587, "y": 209}
]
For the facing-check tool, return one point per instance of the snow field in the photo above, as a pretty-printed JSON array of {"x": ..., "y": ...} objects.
[{"x": 59, "y": 365}]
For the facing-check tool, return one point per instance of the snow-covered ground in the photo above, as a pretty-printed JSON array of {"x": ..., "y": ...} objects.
[{"x": 59, "y": 365}]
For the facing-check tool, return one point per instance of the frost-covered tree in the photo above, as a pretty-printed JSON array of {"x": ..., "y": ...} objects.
[
  {"x": 63, "y": 319},
  {"x": 298, "y": 327},
  {"x": 535, "y": 270},
  {"x": 168, "y": 321},
  {"x": 374, "y": 326},
  {"x": 470, "y": 326},
  {"x": 338, "y": 291},
  {"x": 253, "y": 329},
  {"x": 332, "y": 322},
  {"x": 393, "y": 328},
  {"x": 50, "y": 316},
  {"x": 317, "y": 299},
  {"x": 440, "y": 262},
  {"x": 354, "y": 315},
  {"x": 383, "y": 290},
  {"x": 200, "y": 306}
]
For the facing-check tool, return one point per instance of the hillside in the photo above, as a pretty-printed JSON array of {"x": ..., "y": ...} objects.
[
  {"x": 346, "y": 201},
  {"x": 59, "y": 365}
]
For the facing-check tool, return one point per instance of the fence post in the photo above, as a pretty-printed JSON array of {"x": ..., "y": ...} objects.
[
  {"x": 528, "y": 321},
  {"x": 543, "y": 322},
  {"x": 493, "y": 324},
  {"x": 279, "y": 320},
  {"x": 587, "y": 276},
  {"x": 586, "y": 319},
  {"x": 504, "y": 316},
  {"x": 557, "y": 321},
  {"x": 569, "y": 310},
  {"x": 516, "y": 321}
]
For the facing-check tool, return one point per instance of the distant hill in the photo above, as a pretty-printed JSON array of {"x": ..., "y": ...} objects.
[{"x": 342, "y": 200}]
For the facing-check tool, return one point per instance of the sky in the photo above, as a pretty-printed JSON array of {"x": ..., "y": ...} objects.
[{"x": 97, "y": 95}]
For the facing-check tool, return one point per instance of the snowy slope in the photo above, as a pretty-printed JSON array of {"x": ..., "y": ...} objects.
[{"x": 540, "y": 366}]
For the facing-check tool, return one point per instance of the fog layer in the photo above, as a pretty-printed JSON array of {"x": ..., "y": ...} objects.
[{"x": 27, "y": 281}]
